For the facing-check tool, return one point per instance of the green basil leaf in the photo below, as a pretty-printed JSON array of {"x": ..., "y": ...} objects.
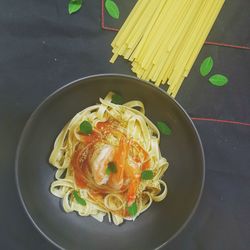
[
  {"x": 111, "y": 168},
  {"x": 80, "y": 200},
  {"x": 132, "y": 210},
  {"x": 164, "y": 128},
  {"x": 74, "y": 6},
  {"x": 218, "y": 80},
  {"x": 108, "y": 171},
  {"x": 86, "y": 128},
  {"x": 206, "y": 66},
  {"x": 117, "y": 99},
  {"x": 147, "y": 175},
  {"x": 112, "y": 9}
]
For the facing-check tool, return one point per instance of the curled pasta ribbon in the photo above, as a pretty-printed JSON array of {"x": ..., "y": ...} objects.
[
  {"x": 60, "y": 187},
  {"x": 117, "y": 219},
  {"x": 114, "y": 202},
  {"x": 161, "y": 196},
  {"x": 137, "y": 129},
  {"x": 99, "y": 216},
  {"x": 67, "y": 202},
  {"x": 145, "y": 201},
  {"x": 136, "y": 104}
]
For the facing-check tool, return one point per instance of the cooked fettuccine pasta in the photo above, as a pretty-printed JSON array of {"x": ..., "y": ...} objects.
[{"x": 108, "y": 162}]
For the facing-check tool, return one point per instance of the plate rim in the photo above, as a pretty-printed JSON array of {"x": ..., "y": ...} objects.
[{"x": 63, "y": 87}]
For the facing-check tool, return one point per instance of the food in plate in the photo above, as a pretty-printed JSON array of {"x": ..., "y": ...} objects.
[{"x": 109, "y": 162}]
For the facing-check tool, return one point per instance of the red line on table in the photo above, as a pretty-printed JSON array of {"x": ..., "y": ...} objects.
[
  {"x": 221, "y": 121},
  {"x": 227, "y": 45}
]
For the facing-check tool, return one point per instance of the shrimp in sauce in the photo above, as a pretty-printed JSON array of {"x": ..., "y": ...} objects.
[{"x": 129, "y": 157}]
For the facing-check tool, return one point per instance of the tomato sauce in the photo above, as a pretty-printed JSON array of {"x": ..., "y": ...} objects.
[
  {"x": 81, "y": 165},
  {"x": 80, "y": 161}
]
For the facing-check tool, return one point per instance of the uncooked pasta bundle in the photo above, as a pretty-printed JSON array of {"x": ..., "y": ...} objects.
[{"x": 162, "y": 38}]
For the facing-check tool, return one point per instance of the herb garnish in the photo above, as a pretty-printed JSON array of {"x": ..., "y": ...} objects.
[
  {"x": 206, "y": 66},
  {"x": 132, "y": 210},
  {"x": 111, "y": 168},
  {"x": 74, "y": 6},
  {"x": 86, "y": 128},
  {"x": 147, "y": 175},
  {"x": 80, "y": 200},
  {"x": 117, "y": 99},
  {"x": 112, "y": 9},
  {"x": 164, "y": 128},
  {"x": 218, "y": 80}
]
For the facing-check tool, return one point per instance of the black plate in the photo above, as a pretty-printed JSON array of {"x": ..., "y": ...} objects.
[{"x": 162, "y": 221}]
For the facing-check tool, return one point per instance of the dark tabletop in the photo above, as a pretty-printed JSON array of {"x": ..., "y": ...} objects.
[{"x": 43, "y": 48}]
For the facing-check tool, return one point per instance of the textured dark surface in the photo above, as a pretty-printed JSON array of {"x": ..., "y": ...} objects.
[
  {"x": 153, "y": 228},
  {"x": 43, "y": 48}
]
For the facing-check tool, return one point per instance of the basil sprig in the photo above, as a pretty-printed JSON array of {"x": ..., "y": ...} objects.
[
  {"x": 111, "y": 168},
  {"x": 132, "y": 209},
  {"x": 79, "y": 200},
  {"x": 86, "y": 128},
  {"x": 218, "y": 80},
  {"x": 112, "y": 9},
  {"x": 206, "y": 66},
  {"x": 147, "y": 175},
  {"x": 117, "y": 99},
  {"x": 74, "y": 6},
  {"x": 164, "y": 128}
]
